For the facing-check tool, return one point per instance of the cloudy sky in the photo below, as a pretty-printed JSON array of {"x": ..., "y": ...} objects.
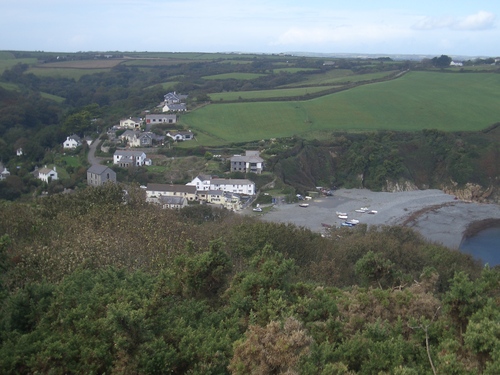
[{"x": 466, "y": 28}]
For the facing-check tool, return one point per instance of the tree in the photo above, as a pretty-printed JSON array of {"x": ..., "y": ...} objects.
[
  {"x": 275, "y": 349},
  {"x": 442, "y": 61}
]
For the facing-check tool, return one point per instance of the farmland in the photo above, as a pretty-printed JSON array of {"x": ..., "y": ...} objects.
[
  {"x": 267, "y": 94},
  {"x": 418, "y": 100}
]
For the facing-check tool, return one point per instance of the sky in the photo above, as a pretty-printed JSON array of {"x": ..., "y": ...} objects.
[{"x": 421, "y": 27}]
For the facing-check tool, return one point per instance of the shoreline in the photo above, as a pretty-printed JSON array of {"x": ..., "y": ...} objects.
[{"x": 437, "y": 216}]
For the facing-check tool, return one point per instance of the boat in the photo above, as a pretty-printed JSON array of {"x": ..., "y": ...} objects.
[
  {"x": 304, "y": 205},
  {"x": 257, "y": 209},
  {"x": 372, "y": 212},
  {"x": 324, "y": 225},
  {"x": 347, "y": 224},
  {"x": 338, "y": 213},
  {"x": 342, "y": 216},
  {"x": 360, "y": 210},
  {"x": 353, "y": 221}
]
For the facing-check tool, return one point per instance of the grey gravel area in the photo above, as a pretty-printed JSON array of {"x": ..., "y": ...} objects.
[{"x": 445, "y": 224}]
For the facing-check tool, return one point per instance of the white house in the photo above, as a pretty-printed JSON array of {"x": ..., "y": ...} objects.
[
  {"x": 181, "y": 135},
  {"x": 250, "y": 162},
  {"x": 4, "y": 172},
  {"x": 72, "y": 142},
  {"x": 45, "y": 174},
  {"x": 201, "y": 182},
  {"x": 181, "y": 107},
  {"x": 125, "y": 158},
  {"x": 237, "y": 186},
  {"x": 161, "y": 119},
  {"x": 131, "y": 123},
  {"x": 19, "y": 152}
]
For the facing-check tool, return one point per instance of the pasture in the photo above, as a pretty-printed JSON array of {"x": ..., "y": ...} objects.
[
  {"x": 234, "y": 76},
  {"x": 415, "y": 101},
  {"x": 339, "y": 76},
  {"x": 267, "y": 94}
]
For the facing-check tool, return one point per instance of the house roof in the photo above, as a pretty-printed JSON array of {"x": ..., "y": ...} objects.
[
  {"x": 126, "y": 153},
  {"x": 171, "y": 200},
  {"x": 75, "y": 137},
  {"x": 231, "y": 181},
  {"x": 98, "y": 169},
  {"x": 160, "y": 116},
  {"x": 172, "y": 188}
]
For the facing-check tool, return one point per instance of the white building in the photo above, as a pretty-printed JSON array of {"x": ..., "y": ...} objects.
[
  {"x": 131, "y": 123},
  {"x": 72, "y": 142},
  {"x": 237, "y": 186},
  {"x": 46, "y": 174},
  {"x": 130, "y": 158}
]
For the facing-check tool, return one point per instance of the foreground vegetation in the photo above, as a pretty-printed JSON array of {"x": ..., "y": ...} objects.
[{"x": 92, "y": 285}]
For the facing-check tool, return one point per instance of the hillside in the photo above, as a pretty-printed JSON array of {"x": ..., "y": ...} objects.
[{"x": 93, "y": 285}]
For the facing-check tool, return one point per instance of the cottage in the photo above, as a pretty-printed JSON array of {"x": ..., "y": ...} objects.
[
  {"x": 174, "y": 98},
  {"x": 172, "y": 202},
  {"x": 181, "y": 107},
  {"x": 137, "y": 138},
  {"x": 161, "y": 119},
  {"x": 251, "y": 162},
  {"x": 45, "y": 174},
  {"x": 131, "y": 123},
  {"x": 181, "y": 135},
  {"x": 126, "y": 159},
  {"x": 201, "y": 182},
  {"x": 98, "y": 175},
  {"x": 159, "y": 190},
  {"x": 4, "y": 172},
  {"x": 72, "y": 142}
]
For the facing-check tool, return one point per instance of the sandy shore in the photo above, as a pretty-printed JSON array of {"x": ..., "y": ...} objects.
[{"x": 436, "y": 215}]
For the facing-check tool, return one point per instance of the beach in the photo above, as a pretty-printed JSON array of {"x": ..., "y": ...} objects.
[{"x": 438, "y": 216}]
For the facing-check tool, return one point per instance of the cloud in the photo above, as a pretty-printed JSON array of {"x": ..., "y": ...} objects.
[{"x": 479, "y": 21}]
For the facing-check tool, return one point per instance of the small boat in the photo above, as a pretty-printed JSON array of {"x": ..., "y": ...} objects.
[
  {"x": 342, "y": 216},
  {"x": 257, "y": 209},
  {"x": 361, "y": 211},
  {"x": 347, "y": 224},
  {"x": 338, "y": 213},
  {"x": 353, "y": 221},
  {"x": 372, "y": 212},
  {"x": 324, "y": 225},
  {"x": 304, "y": 205}
]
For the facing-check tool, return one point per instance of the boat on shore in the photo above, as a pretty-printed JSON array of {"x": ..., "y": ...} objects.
[{"x": 304, "y": 205}]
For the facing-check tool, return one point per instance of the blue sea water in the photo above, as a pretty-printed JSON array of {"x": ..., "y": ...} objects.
[{"x": 484, "y": 246}]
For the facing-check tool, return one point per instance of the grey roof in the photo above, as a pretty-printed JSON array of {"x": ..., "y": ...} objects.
[
  {"x": 231, "y": 181},
  {"x": 98, "y": 169},
  {"x": 172, "y": 188},
  {"x": 129, "y": 153},
  {"x": 171, "y": 200}
]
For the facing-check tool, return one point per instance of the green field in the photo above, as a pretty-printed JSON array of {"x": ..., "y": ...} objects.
[
  {"x": 235, "y": 76},
  {"x": 267, "y": 94},
  {"x": 293, "y": 70},
  {"x": 9, "y": 63},
  {"x": 418, "y": 100},
  {"x": 338, "y": 76},
  {"x": 71, "y": 73}
]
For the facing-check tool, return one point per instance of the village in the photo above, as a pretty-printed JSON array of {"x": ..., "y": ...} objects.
[{"x": 132, "y": 137}]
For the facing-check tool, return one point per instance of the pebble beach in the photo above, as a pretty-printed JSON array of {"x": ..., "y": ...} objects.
[{"x": 438, "y": 216}]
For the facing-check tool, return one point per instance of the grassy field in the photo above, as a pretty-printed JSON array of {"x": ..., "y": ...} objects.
[
  {"x": 338, "y": 76},
  {"x": 266, "y": 94},
  {"x": 418, "y": 100},
  {"x": 75, "y": 74},
  {"x": 9, "y": 63},
  {"x": 234, "y": 76}
]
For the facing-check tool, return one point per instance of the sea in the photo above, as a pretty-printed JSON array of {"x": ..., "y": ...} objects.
[{"x": 485, "y": 246}]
